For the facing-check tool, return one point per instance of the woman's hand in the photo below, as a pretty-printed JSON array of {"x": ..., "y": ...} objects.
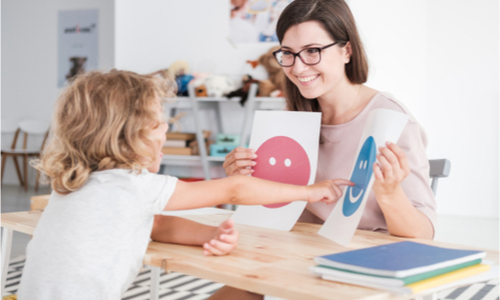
[
  {"x": 391, "y": 171},
  {"x": 327, "y": 191},
  {"x": 224, "y": 241},
  {"x": 239, "y": 161}
]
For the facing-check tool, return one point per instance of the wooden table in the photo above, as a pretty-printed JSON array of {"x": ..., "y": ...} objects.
[{"x": 266, "y": 261}]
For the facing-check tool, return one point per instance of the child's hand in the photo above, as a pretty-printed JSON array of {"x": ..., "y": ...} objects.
[
  {"x": 327, "y": 191},
  {"x": 224, "y": 241},
  {"x": 391, "y": 171}
]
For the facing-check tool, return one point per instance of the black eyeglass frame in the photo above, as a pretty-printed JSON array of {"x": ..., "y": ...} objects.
[{"x": 275, "y": 53}]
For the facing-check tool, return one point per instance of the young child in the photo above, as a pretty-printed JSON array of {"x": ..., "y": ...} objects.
[{"x": 106, "y": 142}]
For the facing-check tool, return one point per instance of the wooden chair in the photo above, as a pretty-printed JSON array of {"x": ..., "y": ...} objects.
[
  {"x": 26, "y": 128},
  {"x": 10, "y": 127}
]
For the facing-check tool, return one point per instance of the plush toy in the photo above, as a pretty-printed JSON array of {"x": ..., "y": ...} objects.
[
  {"x": 218, "y": 85},
  {"x": 179, "y": 70},
  {"x": 274, "y": 85},
  {"x": 243, "y": 91},
  {"x": 200, "y": 91}
]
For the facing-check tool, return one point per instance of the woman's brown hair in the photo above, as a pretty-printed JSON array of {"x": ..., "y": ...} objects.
[
  {"x": 102, "y": 121},
  {"x": 337, "y": 19}
]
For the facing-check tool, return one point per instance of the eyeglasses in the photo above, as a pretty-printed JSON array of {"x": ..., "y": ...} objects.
[{"x": 310, "y": 56}]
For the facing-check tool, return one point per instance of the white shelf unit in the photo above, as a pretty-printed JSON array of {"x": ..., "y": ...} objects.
[{"x": 195, "y": 104}]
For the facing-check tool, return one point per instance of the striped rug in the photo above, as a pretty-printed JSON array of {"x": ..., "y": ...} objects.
[
  {"x": 173, "y": 286},
  {"x": 177, "y": 286}
]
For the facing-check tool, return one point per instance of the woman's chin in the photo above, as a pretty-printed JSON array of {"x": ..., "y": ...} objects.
[{"x": 310, "y": 95}]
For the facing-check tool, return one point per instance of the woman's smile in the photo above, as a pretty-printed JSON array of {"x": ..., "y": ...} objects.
[{"x": 306, "y": 80}]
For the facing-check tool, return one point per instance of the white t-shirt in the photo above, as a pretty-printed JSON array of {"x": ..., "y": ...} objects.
[{"x": 90, "y": 243}]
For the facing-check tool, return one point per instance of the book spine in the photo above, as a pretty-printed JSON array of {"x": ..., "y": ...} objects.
[
  {"x": 447, "y": 278},
  {"x": 430, "y": 274}
]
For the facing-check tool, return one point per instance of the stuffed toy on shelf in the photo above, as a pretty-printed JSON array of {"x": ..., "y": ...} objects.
[
  {"x": 270, "y": 87},
  {"x": 179, "y": 70},
  {"x": 243, "y": 91},
  {"x": 214, "y": 85},
  {"x": 274, "y": 85}
]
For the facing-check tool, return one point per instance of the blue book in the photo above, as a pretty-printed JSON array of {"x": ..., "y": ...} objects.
[{"x": 399, "y": 259}]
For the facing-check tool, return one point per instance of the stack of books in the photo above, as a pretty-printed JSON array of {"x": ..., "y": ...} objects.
[
  {"x": 402, "y": 267},
  {"x": 177, "y": 143}
]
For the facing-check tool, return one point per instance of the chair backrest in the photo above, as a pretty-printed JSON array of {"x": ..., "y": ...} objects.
[
  {"x": 34, "y": 127},
  {"x": 9, "y": 126},
  {"x": 439, "y": 168}
]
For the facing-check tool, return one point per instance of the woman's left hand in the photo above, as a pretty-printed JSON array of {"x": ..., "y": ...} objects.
[
  {"x": 391, "y": 169},
  {"x": 224, "y": 241}
]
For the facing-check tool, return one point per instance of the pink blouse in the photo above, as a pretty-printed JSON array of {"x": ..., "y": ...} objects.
[{"x": 337, "y": 155}]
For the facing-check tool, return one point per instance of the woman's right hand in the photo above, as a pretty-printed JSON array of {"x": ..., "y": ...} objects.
[{"x": 239, "y": 161}]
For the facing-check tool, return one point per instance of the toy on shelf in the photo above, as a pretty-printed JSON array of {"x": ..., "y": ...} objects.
[
  {"x": 274, "y": 85},
  {"x": 215, "y": 85},
  {"x": 243, "y": 91},
  {"x": 270, "y": 87},
  {"x": 225, "y": 144},
  {"x": 201, "y": 91},
  {"x": 179, "y": 70}
]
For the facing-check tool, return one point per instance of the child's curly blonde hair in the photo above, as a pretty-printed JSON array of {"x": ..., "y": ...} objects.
[{"x": 102, "y": 121}]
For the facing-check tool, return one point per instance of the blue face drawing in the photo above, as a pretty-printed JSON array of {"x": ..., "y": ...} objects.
[{"x": 363, "y": 170}]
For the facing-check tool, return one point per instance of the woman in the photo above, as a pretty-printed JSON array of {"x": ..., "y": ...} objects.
[{"x": 325, "y": 67}]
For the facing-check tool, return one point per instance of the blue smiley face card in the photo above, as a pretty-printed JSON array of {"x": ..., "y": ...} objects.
[{"x": 382, "y": 125}]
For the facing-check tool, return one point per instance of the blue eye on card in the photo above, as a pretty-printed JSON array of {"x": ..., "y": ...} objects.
[{"x": 363, "y": 170}]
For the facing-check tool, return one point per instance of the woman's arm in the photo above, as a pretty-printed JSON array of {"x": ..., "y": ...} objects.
[
  {"x": 402, "y": 218},
  {"x": 215, "y": 240},
  {"x": 250, "y": 191}
]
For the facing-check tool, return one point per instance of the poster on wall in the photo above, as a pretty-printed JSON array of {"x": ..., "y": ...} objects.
[
  {"x": 382, "y": 125},
  {"x": 254, "y": 21},
  {"x": 286, "y": 144},
  {"x": 77, "y": 43}
]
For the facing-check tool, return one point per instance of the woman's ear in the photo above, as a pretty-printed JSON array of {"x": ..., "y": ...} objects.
[{"x": 347, "y": 52}]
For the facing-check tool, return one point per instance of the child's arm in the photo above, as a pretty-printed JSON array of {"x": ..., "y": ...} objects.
[
  {"x": 215, "y": 240},
  {"x": 250, "y": 191}
]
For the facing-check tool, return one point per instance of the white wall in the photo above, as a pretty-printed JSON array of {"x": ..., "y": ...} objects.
[
  {"x": 463, "y": 97},
  {"x": 152, "y": 34},
  {"x": 439, "y": 57},
  {"x": 29, "y": 59}
]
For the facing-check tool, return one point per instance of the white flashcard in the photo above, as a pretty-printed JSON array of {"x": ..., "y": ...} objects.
[
  {"x": 286, "y": 144},
  {"x": 382, "y": 125}
]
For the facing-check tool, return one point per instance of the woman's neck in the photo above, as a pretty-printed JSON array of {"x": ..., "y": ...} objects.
[{"x": 345, "y": 104}]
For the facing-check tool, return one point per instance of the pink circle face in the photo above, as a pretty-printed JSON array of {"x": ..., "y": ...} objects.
[{"x": 282, "y": 159}]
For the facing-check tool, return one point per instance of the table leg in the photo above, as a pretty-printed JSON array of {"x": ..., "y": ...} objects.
[
  {"x": 6, "y": 247},
  {"x": 155, "y": 283}
]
